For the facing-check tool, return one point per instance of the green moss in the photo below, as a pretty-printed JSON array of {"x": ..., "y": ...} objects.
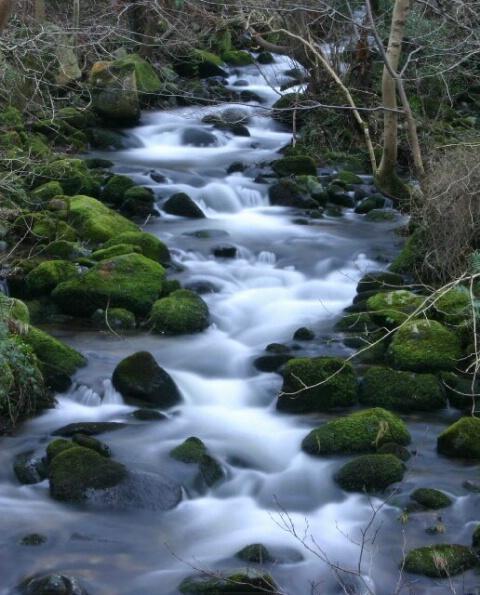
[
  {"x": 145, "y": 76},
  {"x": 255, "y": 553},
  {"x": 237, "y": 58},
  {"x": 130, "y": 281},
  {"x": 430, "y": 498},
  {"x": 424, "y": 345},
  {"x": 112, "y": 251},
  {"x": 363, "y": 431},
  {"x": 380, "y": 281},
  {"x": 56, "y": 358},
  {"x": 183, "y": 311},
  {"x": 476, "y": 537},
  {"x": 454, "y": 306},
  {"x": 150, "y": 246},
  {"x": 284, "y": 110},
  {"x": 461, "y": 439},
  {"x": 89, "y": 442},
  {"x": 190, "y": 451},
  {"x": 330, "y": 382},
  {"x": 32, "y": 539},
  {"x": 441, "y": 560},
  {"x": 348, "y": 178},
  {"x": 392, "y": 308},
  {"x": 11, "y": 117},
  {"x": 13, "y": 309},
  {"x": 233, "y": 584},
  {"x": 357, "y": 322},
  {"x": 57, "y": 446},
  {"x": 410, "y": 256},
  {"x": 115, "y": 188},
  {"x": 404, "y": 391},
  {"x": 47, "y": 275},
  {"x": 72, "y": 174},
  {"x": 47, "y": 191},
  {"x": 370, "y": 473},
  {"x": 95, "y": 222},
  {"x": 76, "y": 470},
  {"x": 114, "y": 319}
]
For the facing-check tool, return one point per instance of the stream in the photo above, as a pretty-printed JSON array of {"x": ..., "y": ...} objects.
[{"x": 285, "y": 275}]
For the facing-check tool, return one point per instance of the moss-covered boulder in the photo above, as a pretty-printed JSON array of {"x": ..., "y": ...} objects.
[
  {"x": 72, "y": 174},
  {"x": 424, "y": 345},
  {"x": 370, "y": 473},
  {"x": 114, "y": 190},
  {"x": 255, "y": 553},
  {"x": 431, "y": 498},
  {"x": 244, "y": 581},
  {"x": 453, "y": 306},
  {"x": 182, "y": 205},
  {"x": 296, "y": 165},
  {"x": 114, "y": 319},
  {"x": 113, "y": 251},
  {"x": 139, "y": 377},
  {"x": 403, "y": 391},
  {"x": 58, "y": 361},
  {"x": 47, "y": 191},
  {"x": 441, "y": 560},
  {"x": 183, "y": 311},
  {"x": 131, "y": 281},
  {"x": 150, "y": 246},
  {"x": 199, "y": 64},
  {"x": 317, "y": 384},
  {"x": 237, "y": 58},
  {"x": 190, "y": 451},
  {"x": 392, "y": 308},
  {"x": 13, "y": 309},
  {"x": 96, "y": 223},
  {"x": 362, "y": 431},
  {"x": 47, "y": 275},
  {"x": 461, "y": 439},
  {"x": 287, "y": 193},
  {"x": 139, "y": 202},
  {"x": 194, "y": 451},
  {"x": 75, "y": 471}
]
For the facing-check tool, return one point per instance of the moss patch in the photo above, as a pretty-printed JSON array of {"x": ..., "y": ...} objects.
[{"x": 440, "y": 560}]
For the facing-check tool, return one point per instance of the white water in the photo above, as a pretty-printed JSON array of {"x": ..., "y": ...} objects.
[{"x": 285, "y": 276}]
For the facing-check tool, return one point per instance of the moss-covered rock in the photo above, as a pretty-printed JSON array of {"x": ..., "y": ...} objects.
[
  {"x": 461, "y": 439},
  {"x": 183, "y": 311},
  {"x": 370, "y": 473},
  {"x": 71, "y": 174},
  {"x": 64, "y": 250},
  {"x": 190, "y": 451},
  {"x": 362, "y": 431},
  {"x": 13, "y": 309},
  {"x": 131, "y": 281},
  {"x": 392, "y": 308},
  {"x": 114, "y": 319},
  {"x": 113, "y": 251},
  {"x": 244, "y": 581},
  {"x": 404, "y": 391},
  {"x": 237, "y": 58},
  {"x": 330, "y": 382},
  {"x": 454, "y": 306},
  {"x": 441, "y": 560},
  {"x": 96, "y": 223},
  {"x": 77, "y": 470},
  {"x": 150, "y": 246},
  {"x": 296, "y": 165},
  {"x": 114, "y": 190},
  {"x": 89, "y": 442},
  {"x": 139, "y": 202},
  {"x": 255, "y": 553},
  {"x": 58, "y": 361},
  {"x": 476, "y": 537},
  {"x": 139, "y": 377},
  {"x": 431, "y": 498},
  {"x": 424, "y": 345},
  {"x": 57, "y": 446},
  {"x": 47, "y": 275},
  {"x": 380, "y": 281},
  {"x": 284, "y": 109},
  {"x": 47, "y": 191}
]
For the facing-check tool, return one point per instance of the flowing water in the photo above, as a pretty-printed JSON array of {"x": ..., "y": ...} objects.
[{"x": 285, "y": 276}]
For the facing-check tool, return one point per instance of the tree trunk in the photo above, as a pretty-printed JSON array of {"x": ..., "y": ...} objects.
[
  {"x": 387, "y": 177},
  {"x": 6, "y": 7}
]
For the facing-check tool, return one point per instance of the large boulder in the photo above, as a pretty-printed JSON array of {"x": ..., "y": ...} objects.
[
  {"x": 461, "y": 439},
  {"x": 404, "y": 391},
  {"x": 47, "y": 275},
  {"x": 183, "y": 311},
  {"x": 370, "y": 473},
  {"x": 182, "y": 205},
  {"x": 149, "y": 245},
  {"x": 96, "y": 223},
  {"x": 139, "y": 377},
  {"x": 131, "y": 281},
  {"x": 317, "y": 384},
  {"x": 363, "y": 431},
  {"x": 441, "y": 560},
  {"x": 431, "y": 498},
  {"x": 424, "y": 346}
]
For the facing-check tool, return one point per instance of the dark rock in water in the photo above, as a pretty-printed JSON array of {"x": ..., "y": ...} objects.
[
  {"x": 247, "y": 582},
  {"x": 202, "y": 287},
  {"x": 380, "y": 281},
  {"x": 32, "y": 539},
  {"x": 139, "y": 377},
  {"x": 303, "y": 334},
  {"x": 89, "y": 428},
  {"x": 149, "y": 415},
  {"x": 370, "y": 473},
  {"x": 235, "y": 167},
  {"x": 286, "y": 193},
  {"x": 205, "y": 234},
  {"x": 93, "y": 444},
  {"x": 247, "y": 96},
  {"x": 181, "y": 312},
  {"x": 194, "y": 451},
  {"x": 182, "y": 205},
  {"x": 29, "y": 468},
  {"x": 190, "y": 451},
  {"x": 224, "y": 251},
  {"x": 271, "y": 363},
  {"x": 256, "y": 553},
  {"x": 50, "y": 584},
  {"x": 157, "y": 177},
  {"x": 197, "y": 137}
]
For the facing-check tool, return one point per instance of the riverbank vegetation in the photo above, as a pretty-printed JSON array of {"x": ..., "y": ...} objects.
[{"x": 75, "y": 74}]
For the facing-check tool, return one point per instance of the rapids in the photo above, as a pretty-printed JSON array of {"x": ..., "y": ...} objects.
[{"x": 285, "y": 276}]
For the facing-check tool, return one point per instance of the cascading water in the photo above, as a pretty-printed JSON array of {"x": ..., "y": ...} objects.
[{"x": 284, "y": 276}]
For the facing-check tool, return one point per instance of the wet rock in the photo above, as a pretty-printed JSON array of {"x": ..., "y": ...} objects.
[
  {"x": 89, "y": 428},
  {"x": 29, "y": 468},
  {"x": 431, "y": 498},
  {"x": 303, "y": 334},
  {"x": 391, "y": 308},
  {"x": 182, "y": 312},
  {"x": 255, "y": 553},
  {"x": 317, "y": 384},
  {"x": 380, "y": 281},
  {"x": 50, "y": 584},
  {"x": 197, "y": 137},
  {"x": 441, "y": 560},
  {"x": 296, "y": 165},
  {"x": 461, "y": 439},
  {"x": 225, "y": 251},
  {"x": 32, "y": 539},
  {"x": 149, "y": 415},
  {"x": 193, "y": 451},
  {"x": 362, "y": 431},
  {"x": 241, "y": 582},
  {"x": 182, "y": 205},
  {"x": 139, "y": 377},
  {"x": 370, "y": 473}
]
